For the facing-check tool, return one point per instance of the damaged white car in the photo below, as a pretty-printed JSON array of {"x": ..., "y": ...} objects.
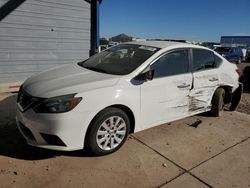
[{"x": 125, "y": 89}]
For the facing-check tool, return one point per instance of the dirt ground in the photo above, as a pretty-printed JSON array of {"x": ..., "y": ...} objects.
[{"x": 244, "y": 105}]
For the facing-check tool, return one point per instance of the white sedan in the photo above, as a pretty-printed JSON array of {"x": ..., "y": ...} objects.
[{"x": 125, "y": 89}]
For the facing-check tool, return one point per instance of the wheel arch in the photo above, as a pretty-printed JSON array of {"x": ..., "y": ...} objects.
[
  {"x": 228, "y": 92},
  {"x": 124, "y": 108},
  {"x": 130, "y": 114}
]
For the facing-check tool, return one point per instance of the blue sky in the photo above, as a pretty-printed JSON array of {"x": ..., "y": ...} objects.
[{"x": 195, "y": 20}]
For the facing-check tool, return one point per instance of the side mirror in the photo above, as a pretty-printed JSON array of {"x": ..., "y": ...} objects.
[
  {"x": 145, "y": 76},
  {"x": 149, "y": 75}
]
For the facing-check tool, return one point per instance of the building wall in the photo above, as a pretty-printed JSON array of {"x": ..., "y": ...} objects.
[
  {"x": 41, "y": 34},
  {"x": 235, "y": 41}
]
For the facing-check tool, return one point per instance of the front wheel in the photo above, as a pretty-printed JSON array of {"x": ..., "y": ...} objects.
[
  {"x": 109, "y": 130},
  {"x": 217, "y": 102}
]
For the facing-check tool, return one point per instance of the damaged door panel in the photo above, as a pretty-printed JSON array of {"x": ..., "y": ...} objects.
[
  {"x": 168, "y": 92},
  {"x": 203, "y": 89},
  {"x": 165, "y": 97}
]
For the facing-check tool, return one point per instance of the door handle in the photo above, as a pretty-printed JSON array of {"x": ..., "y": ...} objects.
[
  {"x": 183, "y": 86},
  {"x": 213, "y": 79}
]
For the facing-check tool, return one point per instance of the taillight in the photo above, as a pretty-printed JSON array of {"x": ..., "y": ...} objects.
[{"x": 238, "y": 72}]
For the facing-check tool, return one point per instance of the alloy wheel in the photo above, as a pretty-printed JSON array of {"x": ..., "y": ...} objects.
[{"x": 111, "y": 133}]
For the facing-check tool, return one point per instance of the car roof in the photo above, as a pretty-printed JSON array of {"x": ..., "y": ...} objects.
[{"x": 163, "y": 44}]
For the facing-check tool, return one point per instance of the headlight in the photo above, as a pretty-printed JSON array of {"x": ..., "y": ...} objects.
[{"x": 57, "y": 104}]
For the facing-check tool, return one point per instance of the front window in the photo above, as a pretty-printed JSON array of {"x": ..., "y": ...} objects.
[
  {"x": 174, "y": 63},
  {"x": 119, "y": 60}
]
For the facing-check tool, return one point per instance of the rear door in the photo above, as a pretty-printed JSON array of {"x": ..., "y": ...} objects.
[{"x": 205, "y": 79}]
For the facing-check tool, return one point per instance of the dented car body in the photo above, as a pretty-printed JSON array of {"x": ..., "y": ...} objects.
[{"x": 125, "y": 89}]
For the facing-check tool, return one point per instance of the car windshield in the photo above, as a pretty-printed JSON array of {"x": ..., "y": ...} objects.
[{"x": 119, "y": 60}]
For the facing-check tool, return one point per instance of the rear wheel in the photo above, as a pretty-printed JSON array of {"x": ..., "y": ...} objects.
[
  {"x": 217, "y": 102},
  {"x": 108, "y": 132}
]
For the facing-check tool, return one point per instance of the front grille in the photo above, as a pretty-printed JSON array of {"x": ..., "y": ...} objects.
[{"x": 24, "y": 100}]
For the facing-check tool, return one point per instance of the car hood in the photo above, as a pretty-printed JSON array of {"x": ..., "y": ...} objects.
[{"x": 67, "y": 80}]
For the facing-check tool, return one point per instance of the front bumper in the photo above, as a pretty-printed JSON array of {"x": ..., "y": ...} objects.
[{"x": 63, "y": 132}]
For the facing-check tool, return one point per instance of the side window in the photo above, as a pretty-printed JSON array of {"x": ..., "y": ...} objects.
[
  {"x": 203, "y": 59},
  {"x": 174, "y": 63}
]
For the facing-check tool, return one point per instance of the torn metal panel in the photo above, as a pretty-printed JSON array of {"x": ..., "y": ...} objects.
[
  {"x": 204, "y": 84},
  {"x": 200, "y": 99}
]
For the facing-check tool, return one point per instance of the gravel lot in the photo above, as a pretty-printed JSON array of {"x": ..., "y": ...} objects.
[{"x": 244, "y": 105}]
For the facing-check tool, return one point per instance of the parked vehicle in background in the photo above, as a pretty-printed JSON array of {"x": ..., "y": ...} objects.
[
  {"x": 233, "y": 54},
  {"x": 244, "y": 51},
  {"x": 248, "y": 54},
  {"x": 124, "y": 89}
]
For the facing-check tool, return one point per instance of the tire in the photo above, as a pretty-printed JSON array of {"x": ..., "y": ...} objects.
[
  {"x": 105, "y": 138},
  {"x": 217, "y": 102}
]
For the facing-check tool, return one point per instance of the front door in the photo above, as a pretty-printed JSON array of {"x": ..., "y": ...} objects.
[{"x": 165, "y": 98}]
